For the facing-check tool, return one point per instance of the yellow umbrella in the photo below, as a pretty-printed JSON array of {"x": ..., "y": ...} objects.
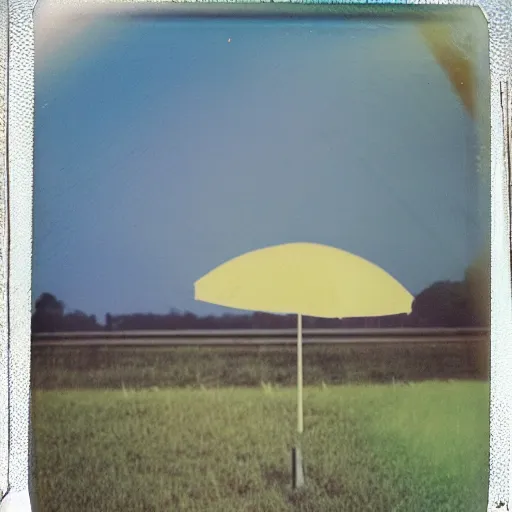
[{"x": 305, "y": 279}]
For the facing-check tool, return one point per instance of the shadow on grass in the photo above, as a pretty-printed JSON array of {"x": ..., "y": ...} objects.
[{"x": 278, "y": 477}]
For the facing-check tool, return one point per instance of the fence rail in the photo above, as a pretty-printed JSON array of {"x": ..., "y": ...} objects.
[{"x": 392, "y": 336}]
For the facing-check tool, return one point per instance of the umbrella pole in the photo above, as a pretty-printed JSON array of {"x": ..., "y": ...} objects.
[
  {"x": 297, "y": 467},
  {"x": 300, "y": 418}
]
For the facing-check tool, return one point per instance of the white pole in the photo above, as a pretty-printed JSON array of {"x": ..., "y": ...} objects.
[{"x": 300, "y": 424}]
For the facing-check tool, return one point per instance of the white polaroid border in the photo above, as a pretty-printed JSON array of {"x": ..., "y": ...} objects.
[{"x": 16, "y": 173}]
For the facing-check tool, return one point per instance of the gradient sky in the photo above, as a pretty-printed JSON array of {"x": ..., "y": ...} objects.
[{"x": 163, "y": 150}]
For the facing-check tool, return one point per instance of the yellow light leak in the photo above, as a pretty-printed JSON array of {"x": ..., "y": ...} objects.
[
  {"x": 455, "y": 63},
  {"x": 307, "y": 279}
]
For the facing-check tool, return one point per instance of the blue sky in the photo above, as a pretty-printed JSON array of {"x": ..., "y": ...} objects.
[{"x": 163, "y": 150}]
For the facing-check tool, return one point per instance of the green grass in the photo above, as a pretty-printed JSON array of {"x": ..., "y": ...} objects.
[{"x": 420, "y": 447}]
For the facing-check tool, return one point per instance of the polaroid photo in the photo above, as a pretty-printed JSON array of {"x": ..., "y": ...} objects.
[{"x": 255, "y": 256}]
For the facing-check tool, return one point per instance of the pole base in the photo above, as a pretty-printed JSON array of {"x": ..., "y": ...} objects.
[{"x": 297, "y": 469}]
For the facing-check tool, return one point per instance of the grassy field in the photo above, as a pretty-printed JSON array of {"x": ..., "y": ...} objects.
[
  {"x": 115, "y": 368},
  {"x": 421, "y": 447}
]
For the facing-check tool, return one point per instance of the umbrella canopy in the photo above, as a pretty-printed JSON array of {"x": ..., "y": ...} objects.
[{"x": 307, "y": 279}]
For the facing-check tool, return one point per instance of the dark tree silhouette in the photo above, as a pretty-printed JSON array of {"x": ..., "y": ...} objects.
[
  {"x": 108, "y": 322},
  {"x": 457, "y": 304},
  {"x": 79, "y": 321},
  {"x": 48, "y": 314},
  {"x": 443, "y": 304},
  {"x": 49, "y": 304}
]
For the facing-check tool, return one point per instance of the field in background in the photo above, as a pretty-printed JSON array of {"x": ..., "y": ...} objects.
[
  {"x": 249, "y": 366},
  {"x": 420, "y": 447}
]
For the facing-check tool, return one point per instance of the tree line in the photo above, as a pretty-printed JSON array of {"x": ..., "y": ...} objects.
[{"x": 443, "y": 304}]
